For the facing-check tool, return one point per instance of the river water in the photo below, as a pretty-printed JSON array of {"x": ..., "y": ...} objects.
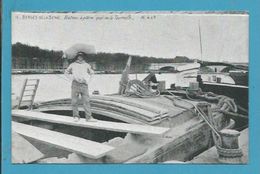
[{"x": 57, "y": 86}]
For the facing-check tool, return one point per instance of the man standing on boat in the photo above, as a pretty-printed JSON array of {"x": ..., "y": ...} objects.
[{"x": 80, "y": 73}]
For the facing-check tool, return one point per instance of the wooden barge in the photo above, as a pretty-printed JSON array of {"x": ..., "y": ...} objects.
[
  {"x": 128, "y": 130},
  {"x": 137, "y": 125}
]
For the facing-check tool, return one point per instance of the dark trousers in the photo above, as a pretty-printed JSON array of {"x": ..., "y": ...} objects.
[{"x": 80, "y": 89}]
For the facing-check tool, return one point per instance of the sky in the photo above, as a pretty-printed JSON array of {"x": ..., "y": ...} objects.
[{"x": 224, "y": 37}]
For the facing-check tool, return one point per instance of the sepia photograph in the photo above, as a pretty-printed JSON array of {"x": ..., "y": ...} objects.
[{"x": 156, "y": 87}]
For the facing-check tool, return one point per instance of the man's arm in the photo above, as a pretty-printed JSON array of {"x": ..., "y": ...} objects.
[
  {"x": 90, "y": 74},
  {"x": 90, "y": 70},
  {"x": 68, "y": 72}
]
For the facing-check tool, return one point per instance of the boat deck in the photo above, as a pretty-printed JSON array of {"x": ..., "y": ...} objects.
[{"x": 133, "y": 110}]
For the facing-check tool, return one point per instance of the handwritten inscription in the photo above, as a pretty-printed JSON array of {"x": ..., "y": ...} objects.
[
  {"x": 83, "y": 17},
  {"x": 148, "y": 17},
  {"x": 38, "y": 17}
]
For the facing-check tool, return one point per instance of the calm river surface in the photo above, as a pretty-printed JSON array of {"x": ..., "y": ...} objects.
[{"x": 57, "y": 86}]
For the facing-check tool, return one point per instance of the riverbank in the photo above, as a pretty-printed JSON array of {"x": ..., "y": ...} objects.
[{"x": 61, "y": 71}]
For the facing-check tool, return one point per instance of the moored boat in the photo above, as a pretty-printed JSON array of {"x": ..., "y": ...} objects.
[{"x": 138, "y": 125}]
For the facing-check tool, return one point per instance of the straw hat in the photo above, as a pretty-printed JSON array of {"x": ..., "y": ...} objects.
[{"x": 74, "y": 50}]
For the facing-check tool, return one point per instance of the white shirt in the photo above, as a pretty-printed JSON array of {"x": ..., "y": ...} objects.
[{"x": 81, "y": 71}]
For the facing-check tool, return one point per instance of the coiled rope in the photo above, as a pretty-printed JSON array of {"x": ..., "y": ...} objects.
[{"x": 224, "y": 105}]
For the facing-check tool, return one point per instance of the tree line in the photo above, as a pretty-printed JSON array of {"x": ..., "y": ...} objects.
[{"x": 103, "y": 61}]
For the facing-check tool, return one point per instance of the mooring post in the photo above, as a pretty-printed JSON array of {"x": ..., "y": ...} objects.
[
  {"x": 229, "y": 151},
  {"x": 230, "y": 138}
]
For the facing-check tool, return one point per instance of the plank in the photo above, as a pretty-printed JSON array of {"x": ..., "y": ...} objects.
[
  {"x": 23, "y": 151},
  {"x": 70, "y": 143},
  {"x": 126, "y": 107},
  {"x": 94, "y": 110},
  {"x": 105, "y": 125},
  {"x": 142, "y": 104},
  {"x": 129, "y": 113}
]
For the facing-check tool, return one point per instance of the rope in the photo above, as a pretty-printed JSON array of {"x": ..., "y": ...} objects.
[
  {"x": 200, "y": 113},
  {"x": 229, "y": 153},
  {"x": 233, "y": 114},
  {"x": 225, "y": 104},
  {"x": 203, "y": 115},
  {"x": 242, "y": 109},
  {"x": 187, "y": 95}
]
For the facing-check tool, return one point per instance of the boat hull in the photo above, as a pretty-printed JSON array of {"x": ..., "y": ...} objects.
[
  {"x": 188, "y": 136},
  {"x": 237, "y": 92}
]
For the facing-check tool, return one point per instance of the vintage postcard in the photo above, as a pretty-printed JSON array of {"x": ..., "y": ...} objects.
[{"x": 130, "y": 87}]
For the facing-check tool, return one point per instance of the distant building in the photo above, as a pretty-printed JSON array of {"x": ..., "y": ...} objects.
[
  {"x": 36, "y": 63},
  {"x": 158, "y": 66}
]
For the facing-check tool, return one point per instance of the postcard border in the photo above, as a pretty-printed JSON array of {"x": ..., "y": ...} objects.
[{"x": 133, "y": 5}]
